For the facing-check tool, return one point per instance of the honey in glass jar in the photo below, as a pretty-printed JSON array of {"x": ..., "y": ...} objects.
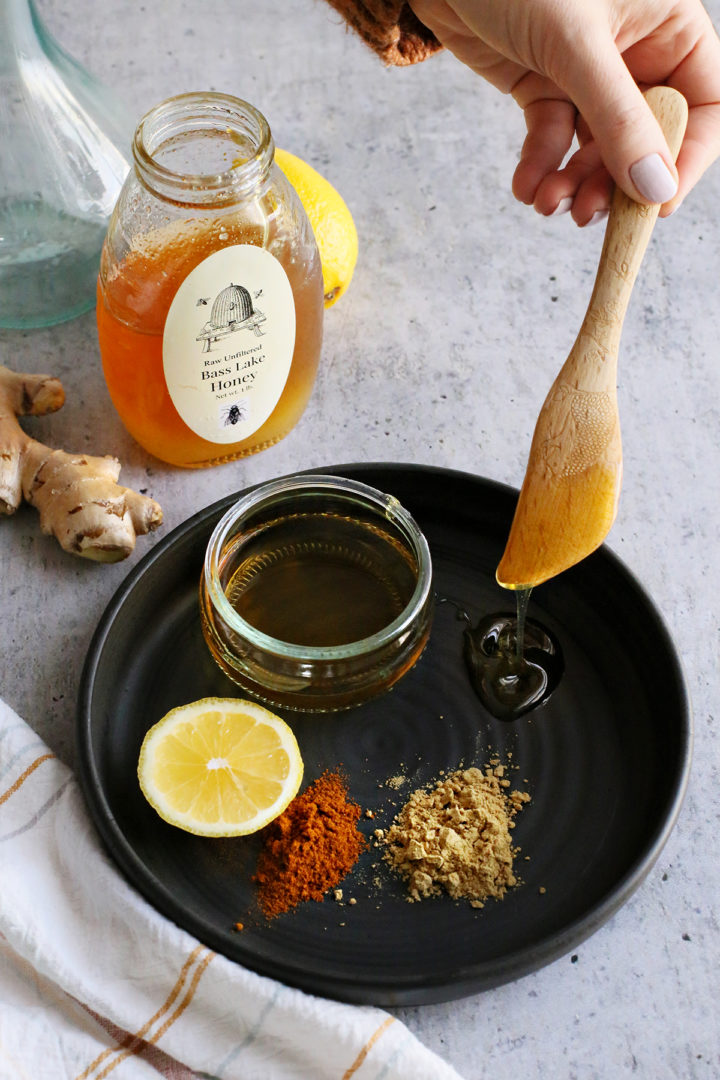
[{"x": 210, "y": 296}]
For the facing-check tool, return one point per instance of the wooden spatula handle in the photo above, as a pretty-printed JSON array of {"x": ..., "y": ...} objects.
[{"x": 628, "y": 231}]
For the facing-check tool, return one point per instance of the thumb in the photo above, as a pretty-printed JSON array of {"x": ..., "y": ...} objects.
[{"x": 629, "y": 138}]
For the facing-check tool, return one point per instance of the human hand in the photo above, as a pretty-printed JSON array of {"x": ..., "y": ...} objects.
[{"x": 576, "y": 67}]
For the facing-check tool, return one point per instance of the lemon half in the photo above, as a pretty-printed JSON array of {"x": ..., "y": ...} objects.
[
  {"x": 332, "y": 223},
  {"x": 220, "y": 767}
]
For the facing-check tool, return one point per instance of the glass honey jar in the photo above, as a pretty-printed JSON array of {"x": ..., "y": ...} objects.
[
  {"x": 316, "y": 593},
  {"x": 210, "y": 295}
]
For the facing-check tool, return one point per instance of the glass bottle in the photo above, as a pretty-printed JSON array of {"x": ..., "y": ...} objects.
[
  {"x": 210, "y": 298},
  {"x": 60, "y": 173}
]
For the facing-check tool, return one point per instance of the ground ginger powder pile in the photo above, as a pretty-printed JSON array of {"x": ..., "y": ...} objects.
[{"x": 455, "y": 837}]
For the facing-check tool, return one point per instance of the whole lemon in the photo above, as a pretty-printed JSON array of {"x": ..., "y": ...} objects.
[{"x": 332, "y": 223}]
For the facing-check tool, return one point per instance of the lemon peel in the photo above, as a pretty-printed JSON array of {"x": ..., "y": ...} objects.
[{"x": 331, "y": 220}]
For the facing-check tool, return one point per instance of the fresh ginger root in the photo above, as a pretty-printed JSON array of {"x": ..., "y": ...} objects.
[{"x": 78, "y": 497}]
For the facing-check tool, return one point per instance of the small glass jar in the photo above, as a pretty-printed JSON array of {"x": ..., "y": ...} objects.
[
  {"x": 316, "y": 593},
  {"x": 210, "y": 295}
]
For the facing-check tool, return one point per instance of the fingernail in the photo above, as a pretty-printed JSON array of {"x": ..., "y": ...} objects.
[
  {"x": 597, "y": 217},
  {"x": 562, "y": 207},
  {"x": 653, "y": 179}
]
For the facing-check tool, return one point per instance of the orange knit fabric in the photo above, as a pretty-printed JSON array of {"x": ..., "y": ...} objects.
[{"x": 390, "y": 28}]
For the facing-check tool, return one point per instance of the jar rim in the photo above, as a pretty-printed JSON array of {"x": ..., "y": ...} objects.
[
  {"x": 319, "y": 483},
  {"x": 198, "y": 110}
]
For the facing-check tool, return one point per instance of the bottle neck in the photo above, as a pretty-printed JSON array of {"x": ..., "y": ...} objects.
[
  {"x": 203, "y": 149},
  {"x": 21, "y": 32}
]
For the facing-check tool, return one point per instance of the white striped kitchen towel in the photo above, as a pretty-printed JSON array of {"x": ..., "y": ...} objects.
[{"x": 95, "y": 983}]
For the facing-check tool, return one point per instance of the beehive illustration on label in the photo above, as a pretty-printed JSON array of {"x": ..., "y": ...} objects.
[{"x": 232, "y": 310}]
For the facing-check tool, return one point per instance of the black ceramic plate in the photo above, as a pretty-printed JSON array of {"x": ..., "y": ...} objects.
[{"x": 605, "y": 761}]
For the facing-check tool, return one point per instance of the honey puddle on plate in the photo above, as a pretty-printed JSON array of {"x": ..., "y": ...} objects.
[{"x": 514, "y": 662}]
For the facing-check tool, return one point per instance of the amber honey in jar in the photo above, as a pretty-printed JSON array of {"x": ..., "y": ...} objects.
[
  {"x": 210, "y": 296},
  {"x": 316, "y": 593}
]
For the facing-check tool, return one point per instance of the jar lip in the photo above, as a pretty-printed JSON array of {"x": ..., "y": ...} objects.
[
  {"x": 319, "y": 483},
  {"x": 202, "y": 108}
]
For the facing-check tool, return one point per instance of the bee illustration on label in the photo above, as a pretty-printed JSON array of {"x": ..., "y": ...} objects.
[
  {"x": 235, "y": 413},
  {"x": 232, "y": 310}
]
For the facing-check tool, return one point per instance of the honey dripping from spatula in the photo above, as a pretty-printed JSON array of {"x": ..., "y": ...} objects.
[{"x": 514, "y": 663}]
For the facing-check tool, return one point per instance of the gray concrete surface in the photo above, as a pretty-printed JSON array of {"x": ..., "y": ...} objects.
[{"x": 463, "y": 306}]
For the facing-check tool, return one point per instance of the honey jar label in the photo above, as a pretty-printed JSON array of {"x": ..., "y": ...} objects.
[{"x": 228, "y": 342}]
